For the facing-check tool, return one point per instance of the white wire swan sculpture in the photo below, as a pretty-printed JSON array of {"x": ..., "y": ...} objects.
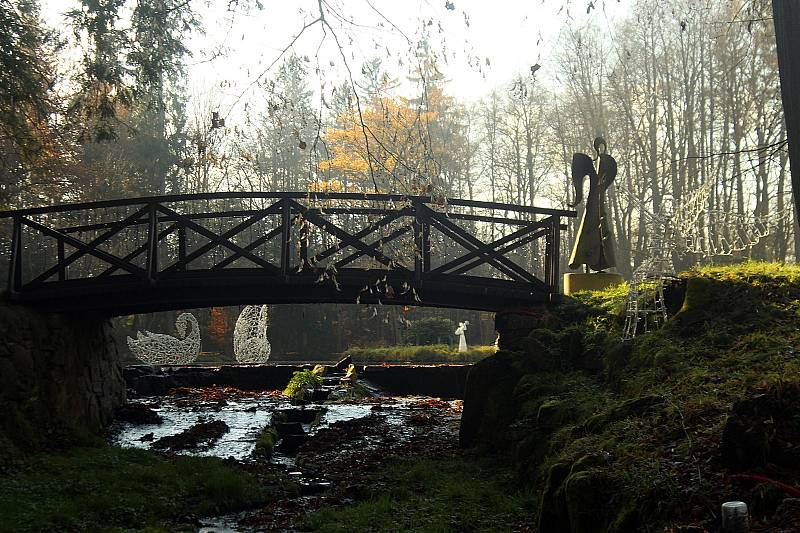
[
  {"x": 250, "y": 343},
  {"x": 162, "y": 349}
]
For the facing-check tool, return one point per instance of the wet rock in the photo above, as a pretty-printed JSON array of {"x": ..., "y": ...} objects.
[
  {"x": 200, "y": 435},
  {"x": 146, "y": 380},
  {"x": 148, "y": 437},
  {"x": 319, "y": 395},
  {"x": 265, "y": 444},
  {"x": 138, "y": 414},
  {"x": 289, "y": 444},
  {"x": 787, "y": 516},
  {"x": 314, "y": 487},
  {"x": 422, "y": 419},
  {"x": 303, "y": 416},
  {"x": 288, "y": 428}
]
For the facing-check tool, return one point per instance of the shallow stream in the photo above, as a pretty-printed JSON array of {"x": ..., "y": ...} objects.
[{"x": 382, "y": 423}]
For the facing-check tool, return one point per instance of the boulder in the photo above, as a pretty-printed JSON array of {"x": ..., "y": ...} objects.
[
  {"x": 763, "y": 429},
  {"x": 288, "y": 428},
  {"x": 588, "y": 497},
  {"x": 582, "y": 498},
  {"x": 138, "y": 414},
  {"x": 553, "y": 517},
  {"x": 489, "y": 406},
  {"x": 289, "y": 444},
  {"x": 303, "y": 416},
  {"x": 200, "y": 435}
]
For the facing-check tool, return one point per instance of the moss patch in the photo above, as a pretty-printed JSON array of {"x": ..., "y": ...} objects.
[
  {"x": 120, "y": 489},
  {"x": 266, "y": 443},
  {"x": 444, "y": 494},
  {"x": 301, "y": 381}
]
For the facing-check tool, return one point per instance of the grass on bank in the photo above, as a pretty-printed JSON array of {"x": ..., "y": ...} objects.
[
  {"x": 105, "y": 488},
  {"x": 435, "y": 494},
  {"x": 435, "y": 353}
]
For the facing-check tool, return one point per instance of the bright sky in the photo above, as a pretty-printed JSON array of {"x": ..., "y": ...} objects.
[{"x": 484, "y": 42}]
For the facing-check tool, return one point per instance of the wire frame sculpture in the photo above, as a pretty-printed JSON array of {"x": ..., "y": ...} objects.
[
  {"x": 162, "y": 349},
  {"x": 680, "y": 230},
  {"x": 250, "y": 343},
  {"x": 646, "y": 308}
]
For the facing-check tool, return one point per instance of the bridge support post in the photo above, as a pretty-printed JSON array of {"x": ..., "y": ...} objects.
[
  {"x": 555, "y": 257},
  {"x": 62, "y": 271},
  {"x": 182, "y": 247},
  {"x": 286, "y": 209},
  {"x": 422, "y": 245},
  {"x": 58, "y": 372},
  {"x": 305, "y": 234},
  {"x": 152, "y": 244}
]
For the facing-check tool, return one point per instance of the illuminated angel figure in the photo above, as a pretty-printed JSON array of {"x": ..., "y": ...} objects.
[
  {"x": 594, "y": 244},
  {"x": 462, "y": 339},
  {"x": 250, "y": 344},
  {"x": 162, "y": 349}
]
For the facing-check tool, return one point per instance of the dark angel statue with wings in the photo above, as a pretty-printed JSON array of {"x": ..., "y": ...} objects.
[{"x": 594, "y": 245}]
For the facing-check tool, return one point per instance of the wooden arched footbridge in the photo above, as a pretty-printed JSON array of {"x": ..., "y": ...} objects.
[{"x": 174, "y": 252}]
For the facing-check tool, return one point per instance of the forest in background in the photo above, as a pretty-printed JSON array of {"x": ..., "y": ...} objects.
[{"x": 686, "y": 94}]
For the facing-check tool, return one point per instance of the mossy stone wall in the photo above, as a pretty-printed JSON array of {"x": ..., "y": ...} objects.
[{"x": 60, "y": 378}]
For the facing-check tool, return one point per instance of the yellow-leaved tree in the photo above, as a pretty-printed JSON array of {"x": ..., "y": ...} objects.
[{"x": 392, "y": 145}]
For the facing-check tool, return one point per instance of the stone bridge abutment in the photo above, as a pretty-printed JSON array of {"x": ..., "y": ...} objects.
[{"x": 60, "y": 376}]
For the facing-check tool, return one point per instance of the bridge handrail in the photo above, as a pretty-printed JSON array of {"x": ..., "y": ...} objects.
[{"x": 376, "y": 197}]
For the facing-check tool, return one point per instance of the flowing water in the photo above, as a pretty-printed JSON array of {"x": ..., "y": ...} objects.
[{"x": 246, "y": 417}]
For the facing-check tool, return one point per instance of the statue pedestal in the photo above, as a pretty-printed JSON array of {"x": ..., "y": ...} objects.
[{"x": 590, "y": 282}]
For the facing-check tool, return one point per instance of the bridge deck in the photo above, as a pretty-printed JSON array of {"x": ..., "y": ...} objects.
[{"x": 149, "y": 254}]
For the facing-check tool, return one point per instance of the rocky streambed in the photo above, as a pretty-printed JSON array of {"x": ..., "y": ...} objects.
[{"x": 326, "y": 453}]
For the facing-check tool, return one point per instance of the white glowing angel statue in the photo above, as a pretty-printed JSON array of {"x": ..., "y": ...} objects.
[
  {"x": 161, "y": 349},
  {"x": 250, "y": 344},
  {"x": 462, "y": 339}
]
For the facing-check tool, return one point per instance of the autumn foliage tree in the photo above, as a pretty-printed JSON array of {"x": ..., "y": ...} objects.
[
  {"x": 386, "y": 146},
  {"x": 220, "y": 325}
]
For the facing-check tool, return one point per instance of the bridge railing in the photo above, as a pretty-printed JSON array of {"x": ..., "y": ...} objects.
[{"x": 284, "y": 235}]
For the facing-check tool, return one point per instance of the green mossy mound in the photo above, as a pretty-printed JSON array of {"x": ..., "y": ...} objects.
[{"x": 654, "y": 433}]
